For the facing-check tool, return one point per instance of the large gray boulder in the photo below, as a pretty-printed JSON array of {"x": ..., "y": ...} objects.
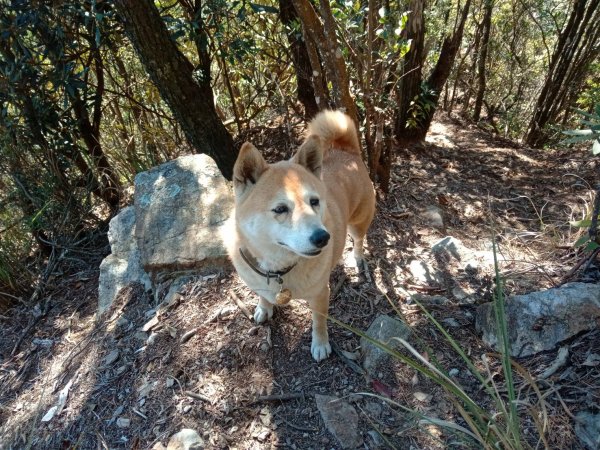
[
  {"x": 123, "y": 266},
  {"x": 539, "y": 321},
  {"x": 173, "y": 227},
  {"x": 180, "y": 207}
]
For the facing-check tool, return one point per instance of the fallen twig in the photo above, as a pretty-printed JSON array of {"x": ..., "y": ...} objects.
[
  {"x": 240, "y": 305},
  {"x": 561, "y": 360},
  {"x": 585, "y": 259},
  {"x": 279, "y": 397},
  {"x": 299, "y": 428},
  {"x": 143, "y": 416},
  {"x": 355, "y": 367},
  {"x": 425, "y": 288},
  {"x": 187, "y": 335},
  {"x": 198, "y": 396}
]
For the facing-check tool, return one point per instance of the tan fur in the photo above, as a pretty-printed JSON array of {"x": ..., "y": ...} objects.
[{"x": 327, "y": 168}]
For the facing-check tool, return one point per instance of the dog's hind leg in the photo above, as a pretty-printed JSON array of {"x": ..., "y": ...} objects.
[
  {"x": 263, "y": 311},
  {"x": 357, "y": 232}
]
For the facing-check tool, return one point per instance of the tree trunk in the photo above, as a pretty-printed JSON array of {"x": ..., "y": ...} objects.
[
  {"x": 300, "y": 58},
  {"x": 191, "y": 99},
  {"x": 323, "y": 35},
  {"x": 482, "y": 58},
  {"x": 437, "y": 79},
  {"x": 409, "y": 86},
  {"x": 470, "y": 82},
  {"x": 577, "y": 46}
]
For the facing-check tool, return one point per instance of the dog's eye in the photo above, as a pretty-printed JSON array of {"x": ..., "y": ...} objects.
[
  {"x": 314, "y": 202},
  {"x": 281, "y": 209}
]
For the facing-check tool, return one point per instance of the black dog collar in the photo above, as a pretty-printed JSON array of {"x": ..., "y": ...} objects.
[{"x": 275, "y": 274}]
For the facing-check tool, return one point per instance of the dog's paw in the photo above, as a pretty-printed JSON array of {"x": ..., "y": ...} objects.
[
  {"x": 320, "y": 350},
  {"x": 262, "y": 314}
]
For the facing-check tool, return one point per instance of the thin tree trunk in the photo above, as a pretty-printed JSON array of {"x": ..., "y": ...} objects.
[
  {"x": 482, "y": 58},
  {"x": 341, "y": 82},
  {"x": 300, "y": 58},
  {"x": 408, "y": 89},
  {"x": 471, "y": 78},
  {"x": 437, "y": 79},
  {"x": 190, "y": 100},
  {"x": 324, "y": 37}
]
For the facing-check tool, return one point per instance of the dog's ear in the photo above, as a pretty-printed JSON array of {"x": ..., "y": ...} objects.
[
  {"x": 248, "y": 168},
  {"x": 310, "y": 155}
]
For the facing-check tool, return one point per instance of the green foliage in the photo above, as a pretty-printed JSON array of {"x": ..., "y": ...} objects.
[
  {"x": 589, "y": 132},
  {"x": 588, "y": 241},
  {"x": 522, "y": 39},
  {"x": 70, "y": 94},
  {"x": 421, "y": 106}
]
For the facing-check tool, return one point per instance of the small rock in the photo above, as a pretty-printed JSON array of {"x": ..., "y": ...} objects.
[
  {"x": 378, "y": 441},
  {"x": 140, "y": 336},
  {"x": 50, "y": 414},
  {"x": 422, "y": 397},
  {"x": 453, "y": 372},
  {"x": 122, "y": 322},
  {"x": 341, "y": 420},
  {"x": 152, "y": 338},
  {"x": 451, "y": 322},
  {"x": 111, "y": 357},
  {"x": 433, "y": 215},
  {"x": 373, "y": 409},
  {"x": 150, "y": 324},
  {"x": 43, "y": 342},
  {"x": 123, "y": 422},
  {"x": 383, "y": 329},
  {"x": 587, "y": 429},
  {"x": 186, "y": 439},
  {"x": 263, "y": 435}
]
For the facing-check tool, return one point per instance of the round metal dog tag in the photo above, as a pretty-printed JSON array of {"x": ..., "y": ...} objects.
[{"x": 283, "y": 297}]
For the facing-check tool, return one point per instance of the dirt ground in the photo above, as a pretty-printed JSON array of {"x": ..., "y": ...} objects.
[{"x": 124, "y": 381}]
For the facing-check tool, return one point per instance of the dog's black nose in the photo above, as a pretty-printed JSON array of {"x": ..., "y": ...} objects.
[{"x": 320, "y": 238}]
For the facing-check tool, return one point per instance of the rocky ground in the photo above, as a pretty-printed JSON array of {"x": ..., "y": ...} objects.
[{"x": 143, "y": 371}]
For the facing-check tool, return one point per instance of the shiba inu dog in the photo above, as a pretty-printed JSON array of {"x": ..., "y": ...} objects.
[{"x": 291, "y": 219}]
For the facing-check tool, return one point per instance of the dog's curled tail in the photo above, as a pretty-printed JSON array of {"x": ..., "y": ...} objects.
[{"x": 336, "y": 129}]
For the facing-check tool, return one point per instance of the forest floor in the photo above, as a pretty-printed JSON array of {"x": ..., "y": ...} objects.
[{"x": 121, "y": 382}]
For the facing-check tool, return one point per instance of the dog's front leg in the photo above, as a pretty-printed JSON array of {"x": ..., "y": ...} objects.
[
  {"x": 319, "y": 306},
  {"x": 263, "y": 311}
]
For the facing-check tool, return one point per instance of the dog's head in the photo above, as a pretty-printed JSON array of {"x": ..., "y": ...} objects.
[{"x": 282, "y": 204}]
